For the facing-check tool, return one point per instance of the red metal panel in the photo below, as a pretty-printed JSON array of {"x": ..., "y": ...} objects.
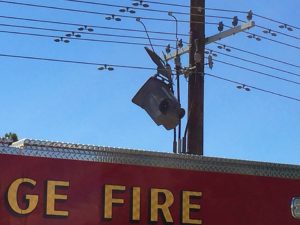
[{"x": 227, "y": 199}]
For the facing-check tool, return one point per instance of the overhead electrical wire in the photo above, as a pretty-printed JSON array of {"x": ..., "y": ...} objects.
[
  {"x": 278, "y": 32},
  {"x": 183, "y": 13},
  {"x": 272, "y": 40},
  {"x": 257, "y": 72},
  {"x": 266, "y": 38},
  {"x": 111, "y": 35},
  {"x": 222, "y": 10},
  {"x": 232, "y": 11},
  {"x": 146, "y": 9},
  {"x": 268, "y": 29},
  {"x": 81, "y": 32},
  {"x": 258, "y": 55},
  {"x": 276, "y": 21},
  {"x": 89, "y": 25},
  {"x": 146, "y": 18},
  {"x": 163, "y": 3},
  {"x": 143, "y": 44},
  {"x": 41, "y": 35},
  {"x": 187, "y": 6},
  {"x": 75, "y": 62},
  {"x": 134, "y": 43},
  {"x": 253, "y": 87},
  {"x": 78, "y": 39},
  {"x": 98, "y": 13},
  {"x": 256, "y": 63},
  {"x": 137, "y": 67}
]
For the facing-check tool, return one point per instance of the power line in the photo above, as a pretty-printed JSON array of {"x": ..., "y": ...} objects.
[
  {"x": 89, "y": 25},
  {"x": 186, "y": 6},
  {"x": 75, "y": 62},
  {"x": 137, "y": 67},
  {"x": 272, "y": 40},
  {"x": 146, "y": 18},
  {"x": 142, "y": 68},
  {"x": 259, "y": 55},
  {"x": 278, "y": 32},
  {"x": 167, "y": 4},
  {"x": 257, "y": 72},
  {"x": 276, "y": 21},
  {"x": 266, "y": 28},
  {"x": 266, "y": 38},
  {"x": 253, "y": 87},
  {"x": 146, "y": 9},
  {"x": 256, "y": 63},
  {"x": 79, "y": 39},
  {"x": 96, "y": 13},
  {"x": 81, "y": 32}
]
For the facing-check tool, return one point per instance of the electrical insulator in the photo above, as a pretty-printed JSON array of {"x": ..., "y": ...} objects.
[
  {"x": 140, "y": 3},
  {"x": 62, "y": 39},
  {"x": 168, "y": 49},
  {"x": 106, "y": 67},
  {"x": 89, "y": 29},
  {"x": 210, "y": 62},
  {"x": 180, "y": 44},
  {"x": 250, "y": 15},
  {"x": 244, "y": 87},
  {"x": 221, "y": 26},
  {"x": 235, "y": 21}
]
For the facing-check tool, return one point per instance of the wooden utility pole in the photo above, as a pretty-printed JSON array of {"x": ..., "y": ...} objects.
[
  {"x": 196, "y": 49},
  {"x": 196, "y": 79}
]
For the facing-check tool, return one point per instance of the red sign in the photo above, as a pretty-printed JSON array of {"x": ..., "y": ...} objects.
[{"x": 41, "y": 191}]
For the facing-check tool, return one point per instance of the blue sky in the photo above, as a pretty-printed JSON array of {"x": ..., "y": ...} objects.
[{"x": 78, "y": 103}]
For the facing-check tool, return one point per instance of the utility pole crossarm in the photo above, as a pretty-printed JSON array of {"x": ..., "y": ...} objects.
[
  {"x": 217, "y": 37},
  {"x": 229, "y": 32},
  {"x": 181, "y": 51}
]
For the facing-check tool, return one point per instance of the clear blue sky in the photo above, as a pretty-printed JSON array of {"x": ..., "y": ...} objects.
[{"x": 77, "y": 103}]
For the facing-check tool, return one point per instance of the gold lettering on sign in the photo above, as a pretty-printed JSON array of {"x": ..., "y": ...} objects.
[
  {"x": 161, "y": 200},
  {"x": 164, "y": 207},
  {"x": 136, "y": 203},
  {"x": 187, "y": 206},
  {"x": 12, "y": 196},
  {"x": 52, "y": 197},
  {"x": 109, "y": 200}
]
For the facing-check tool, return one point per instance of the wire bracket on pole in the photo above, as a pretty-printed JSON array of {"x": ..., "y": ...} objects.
[{"x": 197, "y": 55}]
